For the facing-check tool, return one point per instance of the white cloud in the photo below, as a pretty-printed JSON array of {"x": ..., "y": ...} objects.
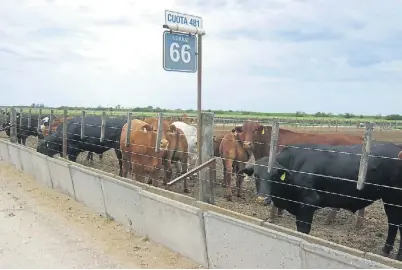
[{"x": 340, "y": 56}]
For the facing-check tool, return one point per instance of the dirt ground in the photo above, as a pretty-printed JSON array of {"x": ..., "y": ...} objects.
[
  {"x": 42, "y": 228},
  {"x": 342, "y": 231}
]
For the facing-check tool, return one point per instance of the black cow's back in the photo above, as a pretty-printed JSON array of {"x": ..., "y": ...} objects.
[
  {"x": 92, "y": 131},
  {"x": 339, "y": 169}
]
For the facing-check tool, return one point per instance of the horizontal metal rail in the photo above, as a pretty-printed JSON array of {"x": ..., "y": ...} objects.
[{"x": 195, "y": 170}]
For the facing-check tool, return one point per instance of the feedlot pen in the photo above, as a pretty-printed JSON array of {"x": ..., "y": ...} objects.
[{"x": 369, "y": 238}]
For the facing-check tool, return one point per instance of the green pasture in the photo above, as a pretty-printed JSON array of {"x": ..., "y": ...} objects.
[{"x": 228, "y": 117}]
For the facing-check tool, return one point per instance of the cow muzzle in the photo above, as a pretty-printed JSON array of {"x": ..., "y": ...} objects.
[
  {"x": 164, "y": 144},
  {"x": 247, "y": 145},
  {"x": 263, "y": 200}
]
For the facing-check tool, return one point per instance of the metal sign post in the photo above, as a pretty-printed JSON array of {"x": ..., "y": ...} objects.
[{"x": 182, "y": 53}]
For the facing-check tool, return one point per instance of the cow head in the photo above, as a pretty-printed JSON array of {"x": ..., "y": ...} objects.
[
  {"x": 263, "y": 179},
  {"x": 50, "y": 145},
  {"x": 249, "y": 132},
  {"x": 153, "y": 122},
  {"x": 44, "y": 127},
  {"x": 7, "y": 122}
]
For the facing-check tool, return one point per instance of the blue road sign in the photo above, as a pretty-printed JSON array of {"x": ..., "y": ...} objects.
[{"x": 179, "y": 52}]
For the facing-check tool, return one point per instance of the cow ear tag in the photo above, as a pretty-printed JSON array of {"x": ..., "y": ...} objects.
[
  {"x": 283, "y": 176},
  {"x": 263, "y": 131}
]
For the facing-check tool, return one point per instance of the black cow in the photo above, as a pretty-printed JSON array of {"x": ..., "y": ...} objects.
[
  {"x": 53, "y": 144},
  {"x": 23, "y": 132},
  {"x": 302, "y": 194}
]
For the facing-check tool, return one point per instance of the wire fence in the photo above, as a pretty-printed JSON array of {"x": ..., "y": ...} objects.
[{"x": 166, "y": 149}]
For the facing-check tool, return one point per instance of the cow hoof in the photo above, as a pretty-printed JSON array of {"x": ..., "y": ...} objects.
[
  {"x": 383, "y": 253},
  {"x": 229, "y": 198},
  {"x": 186, "y": 190},
  {"x": 386, "y": 250}
]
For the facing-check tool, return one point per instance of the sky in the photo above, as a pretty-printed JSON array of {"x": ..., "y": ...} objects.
[{"x": 258, "y": 55}]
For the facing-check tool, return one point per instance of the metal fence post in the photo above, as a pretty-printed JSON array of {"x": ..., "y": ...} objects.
[
  {"x": 39, "y": 118},
  {"x": 13, "y": 123},
  {"x": 128, "y": 136},
  {"x": 82, "y": 124},
  {"x": 50, "y": 121},
  {"x": 366, "y": 147},
  {"x": 65, "y": 134},
  {"x": 103, "y": 126},
  {"x": 206, "y": 182},
  {"x": 273, "y": 144},
  {"x": 2, "y": 117},
  {"x": 29, "y": 118},
  {"x": 159, "y": 134},
  {"x": 20, "y": 119}
]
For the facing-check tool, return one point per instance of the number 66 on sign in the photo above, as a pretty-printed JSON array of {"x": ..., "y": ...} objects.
[{"x": 179, "y": 52}]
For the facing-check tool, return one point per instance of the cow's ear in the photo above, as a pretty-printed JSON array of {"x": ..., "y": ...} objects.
[
  {"x": 238, "y": 129},
  {"x": 146, "y": 128},
  {"x": 261, "y": 129},
  {"x": 283, "y": 174},
  {"x": 172, "y": 128}
]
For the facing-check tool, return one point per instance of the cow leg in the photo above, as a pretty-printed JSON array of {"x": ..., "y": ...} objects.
[
  {"x": 280, "y": 212},
  {"x": 360, "y": 218},
  {"x": 224, "y": 174},
  {"x": 138, "y": 172},
  {"x": 154, "y": 175},
  {"x": 124, "y": 163},
  {"x": 167, "y": 164},
  {"x": 394, "y": 216},
  {"x": 272, "y": 213},
  {"x": 331, "y": 216},
  {"x": 228, "y": 178},
  {"x": 24, "y": 140},
  {"x": 100, "y": 157},
  {"x": 184, "y": 169},
  {"x": 119, "y": 158},
  {"x": 239, "y": 177},
  {"x": 72, "y": 152},
  {"x": 72, "y": 157},
  {"x": 399, "y": 255},
  {"x": 90, "y": 157}
]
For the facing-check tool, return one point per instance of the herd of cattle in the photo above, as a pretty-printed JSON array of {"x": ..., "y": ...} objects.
[{"x": 303, "y": 180}]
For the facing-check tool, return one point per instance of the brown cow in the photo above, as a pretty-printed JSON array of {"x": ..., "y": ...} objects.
[
  {"x": 234, "y": 157},
  {"x": 217, "y": 143},
  {"x": 140, "y": 155},
  {"x": 177, "y": 150},
  {"x": 177, "y": 153},
  {"x": 257, "y": 138},
  {"x": 48, "y": 129}
]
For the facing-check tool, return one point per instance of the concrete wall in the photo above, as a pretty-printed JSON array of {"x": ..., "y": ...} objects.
[{"x": 212, "y": 236}]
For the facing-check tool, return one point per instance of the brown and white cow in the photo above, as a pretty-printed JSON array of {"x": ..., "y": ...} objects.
[
  {"x": 177, "y": 151},
  {"x": 257, "y": 138}
]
